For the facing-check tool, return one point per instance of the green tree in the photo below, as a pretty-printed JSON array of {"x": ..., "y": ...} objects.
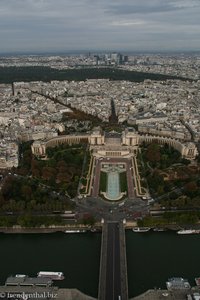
[{"x": 153, "y": 153}]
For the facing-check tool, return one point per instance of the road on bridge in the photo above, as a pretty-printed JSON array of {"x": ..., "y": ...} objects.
[{"x": 113, "y": 272}]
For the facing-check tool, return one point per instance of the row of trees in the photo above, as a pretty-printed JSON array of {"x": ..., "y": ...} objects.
[
  {"x": 103, "y": 182},
  {"x": 123, "y": 182},
  {"x": 171, "y": 218},
  {"x": 182, "y": 202},
  {"x": 30, "y": 221}
]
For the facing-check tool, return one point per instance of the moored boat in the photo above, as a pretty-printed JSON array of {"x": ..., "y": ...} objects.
[
  {"x": 20, "y": 275},
  {"x": 75, "y": 231},
  {"x": 188, "y": 231},
  {"x": 51, "y": 275},
  {"x": 141, "y": 229},
  {"x": 177, "y": 283}
]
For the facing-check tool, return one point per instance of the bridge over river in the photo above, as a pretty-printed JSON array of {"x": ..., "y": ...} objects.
[{"x": 113, "y": 284}]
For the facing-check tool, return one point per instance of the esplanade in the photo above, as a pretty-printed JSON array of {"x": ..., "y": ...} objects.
[{"x": 114, "y": 144}]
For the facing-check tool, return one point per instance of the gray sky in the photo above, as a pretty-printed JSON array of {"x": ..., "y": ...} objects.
[{"x": 126, "y": 25}]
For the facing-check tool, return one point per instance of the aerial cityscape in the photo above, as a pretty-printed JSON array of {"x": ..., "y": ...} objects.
[{"x": 99, "y": 150}]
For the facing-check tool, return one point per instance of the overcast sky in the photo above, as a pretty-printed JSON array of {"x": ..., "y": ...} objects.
[{"x": 126, "y": 25}]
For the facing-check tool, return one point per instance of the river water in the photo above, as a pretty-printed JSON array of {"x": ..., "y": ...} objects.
[
  {"x": 152, "y": 258},
  {"x": 76, "y": 255}
]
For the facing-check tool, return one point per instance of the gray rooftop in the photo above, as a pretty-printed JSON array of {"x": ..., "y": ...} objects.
[{"x": 28, "y": 281}]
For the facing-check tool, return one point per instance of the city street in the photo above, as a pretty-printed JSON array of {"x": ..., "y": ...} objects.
[{"x": 125, "y": 209}]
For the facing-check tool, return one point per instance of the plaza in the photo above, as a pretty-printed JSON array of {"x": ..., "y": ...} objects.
[{"x": 114, "y": 148}]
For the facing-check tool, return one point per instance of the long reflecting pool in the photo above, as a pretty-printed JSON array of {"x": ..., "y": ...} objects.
[{"x": 113, "y": 190}]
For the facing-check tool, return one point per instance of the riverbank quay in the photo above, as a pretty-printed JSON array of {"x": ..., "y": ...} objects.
[
  {"x": 45, "y": 293},
  {"x": 53, "y": 292},
  {"x": 50, "y": 229},
  {"x": 172, "y": 227},
  {"x": 130, "y": 225},
  {"x": 86, "y": 228},
  {"x": 158, "y": 294}
]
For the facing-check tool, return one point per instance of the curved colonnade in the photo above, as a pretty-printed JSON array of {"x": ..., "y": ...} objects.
[{"x": 187, "y": 150}]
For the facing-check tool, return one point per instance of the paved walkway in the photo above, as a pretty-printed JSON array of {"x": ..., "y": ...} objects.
[
  {"x": 161, "y": 295},
  {"x": 44, "y": 293},
  {"x": 129, "y": 172}
]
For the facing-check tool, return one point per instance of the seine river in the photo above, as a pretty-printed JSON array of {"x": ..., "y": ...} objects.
[{"x": 152, "y": 258}]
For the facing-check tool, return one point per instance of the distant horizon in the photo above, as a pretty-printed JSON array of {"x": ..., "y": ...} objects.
[{"x": 84, "y": 51}]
